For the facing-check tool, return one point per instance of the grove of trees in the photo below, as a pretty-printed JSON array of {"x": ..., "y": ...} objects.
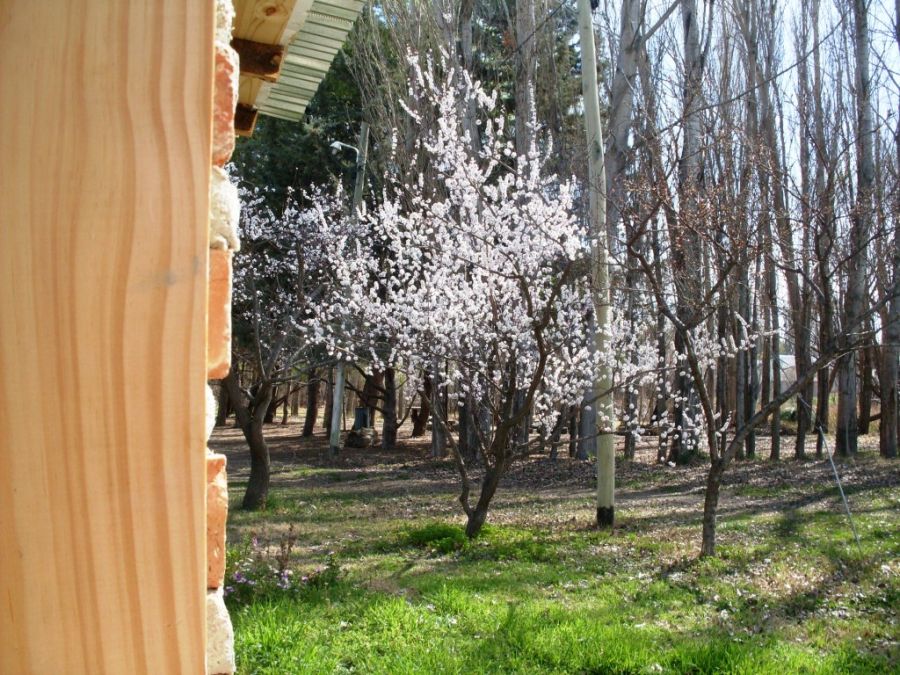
[{"x": 722, "y": 260}]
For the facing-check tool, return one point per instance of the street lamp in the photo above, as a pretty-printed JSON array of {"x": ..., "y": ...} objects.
[
  {"x": 337, "y": 407},
  {"x": 337, "y": 146}
]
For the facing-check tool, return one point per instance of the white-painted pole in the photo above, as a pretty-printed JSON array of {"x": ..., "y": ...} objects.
[
  {"x": 337, "y": 409},
  {"x": 606, "y": 461}
]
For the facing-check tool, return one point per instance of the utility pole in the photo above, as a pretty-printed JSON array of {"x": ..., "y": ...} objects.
[
  {"x": 337, "y": 408},
  {"x": 606, "y": 459}
]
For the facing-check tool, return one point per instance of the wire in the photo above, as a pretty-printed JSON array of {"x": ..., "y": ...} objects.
[{"x": 837, "y": 478}]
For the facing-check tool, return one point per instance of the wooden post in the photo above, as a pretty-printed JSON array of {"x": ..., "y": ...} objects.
[{"x": 105, "y": 142}]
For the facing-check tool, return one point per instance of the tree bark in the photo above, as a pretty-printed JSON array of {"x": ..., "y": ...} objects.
[
  {"x": 890, "y": 347},
  {"x": 847, "y": 431},
  {"x": 420, "y": 424},
  {"x": 337, "y": 410},
  {"x": 524, "y": 83},
  {"x": 372, "y": 393},
  {"x": 272, "y": 408},
  {"x": 573, "y": 433},
  {"x": 740, "y": 381},
  {"x": 865, "y": 388},
  {"x": 478, "y": 515},
  {"x": 775, "y": 347},
  {"x": 223, "y": 406},
  {"x": 329, "y": 401},
  {"x": 389, "y": 422},
  {"x": 710, "y": 508},
  {"x": 685, "y": 241},
  {"x": 251, "y": 417},
  {"x": 438, "y": 412},
  {"x": 587, "y": 427},
  {"x": 312, "y": 402}
]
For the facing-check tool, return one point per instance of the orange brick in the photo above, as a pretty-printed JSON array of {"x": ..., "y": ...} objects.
[
  {"x": 226, "y": 99},
  {"x": 218, "y": 329},
  {"x": 216, "y": 515}
]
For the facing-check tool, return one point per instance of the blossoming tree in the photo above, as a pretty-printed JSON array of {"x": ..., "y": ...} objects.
[
  {"x": 287, "y": 294},
  {"x": 485, "y": 274}
]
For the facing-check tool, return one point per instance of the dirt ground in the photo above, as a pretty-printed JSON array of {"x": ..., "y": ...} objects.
[{"x": 748, "y": 487}]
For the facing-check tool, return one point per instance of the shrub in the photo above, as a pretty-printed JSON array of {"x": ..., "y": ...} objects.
[
  {"x": 439, "y": 537},
  {"x": 256, "y": 572}
]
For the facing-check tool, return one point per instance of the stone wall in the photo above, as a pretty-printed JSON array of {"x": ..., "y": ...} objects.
[{"x": 224, "y": 213}]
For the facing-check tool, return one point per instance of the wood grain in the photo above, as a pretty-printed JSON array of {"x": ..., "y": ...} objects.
[
  {"x": 262, "y": 21},
  {"x": 106, "y": 151}
]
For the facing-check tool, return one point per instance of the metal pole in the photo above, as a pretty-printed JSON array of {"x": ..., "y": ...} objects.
[
  {"x": 606, "y": 461},
  {"x": 337, "y": 410}
]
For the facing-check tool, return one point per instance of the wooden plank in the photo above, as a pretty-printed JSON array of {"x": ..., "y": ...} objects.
[
  {"x": 248, "y": 89},
  {"x": 268, "y": 21},
  {"x": 103, "y": 245},
  {"x": 259, "y": 60}
]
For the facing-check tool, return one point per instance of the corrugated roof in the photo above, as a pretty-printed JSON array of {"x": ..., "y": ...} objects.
[
  {"x": 311, "y": 31},
  {"x": 308, "y": 57}
]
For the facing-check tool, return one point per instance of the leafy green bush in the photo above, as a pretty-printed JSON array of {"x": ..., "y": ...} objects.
[{"x": 439, "y": 537}]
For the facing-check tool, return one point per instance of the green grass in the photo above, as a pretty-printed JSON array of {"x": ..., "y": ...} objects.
[{"x": 541, "y": 593}]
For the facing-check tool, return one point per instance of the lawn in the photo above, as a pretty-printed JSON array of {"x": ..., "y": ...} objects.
[{"x": 360, "y": 565}]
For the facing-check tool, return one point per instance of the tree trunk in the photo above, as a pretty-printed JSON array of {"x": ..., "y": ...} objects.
[
  {"x": 631, "y": 410},
  {"x": 257, "y": 492},
  {"x": 573, "y": 433},
  {"x": 686, "y": 245},
  {"x": 468, "y": 428},
  {"x": 555, "y": 433},
  {"x": 710, "y": 508},
  {"x": 774, "y": 344},
  {"x": 618, "y": 150},
  {"x": 250, "y": 418},
  {"x": 438, "y": 413},
  {"x": 420, "y": 424},
  {"x": 524, "y": 83},
  {"x": 295, "y": 403},
  {"x": 329, "y": 401},
  {"x": 847, "y": 431},
  {"x": 660, "y": 408},
  {"x": 286, "y": 403},
  {"x": 312, "y": 402},
  {"x": 753, "y": 368},
  {"x": 889, "y": 426},
  {"x": 865, "y": 389},
  {"x": 372, "y": 393},
  {"x": 825, "y": 236},
  {"x": 740, "y": 380},
  {"x": 478, "y": 515},
  {"x": 890, "y": 347},
  {"x": 587, "y": 427},
  {"x": 337, "y": 410},
  {"x": 389, "y": 423},
  {"x": 223, "y": 406},
  {"x": 272, "y": 408}
]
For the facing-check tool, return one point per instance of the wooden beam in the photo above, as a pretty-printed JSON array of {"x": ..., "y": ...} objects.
[
  {"x": 103, "y": 255},
  {"x": 258, "y": 59},
  {"x": 245, "y": 119}
]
